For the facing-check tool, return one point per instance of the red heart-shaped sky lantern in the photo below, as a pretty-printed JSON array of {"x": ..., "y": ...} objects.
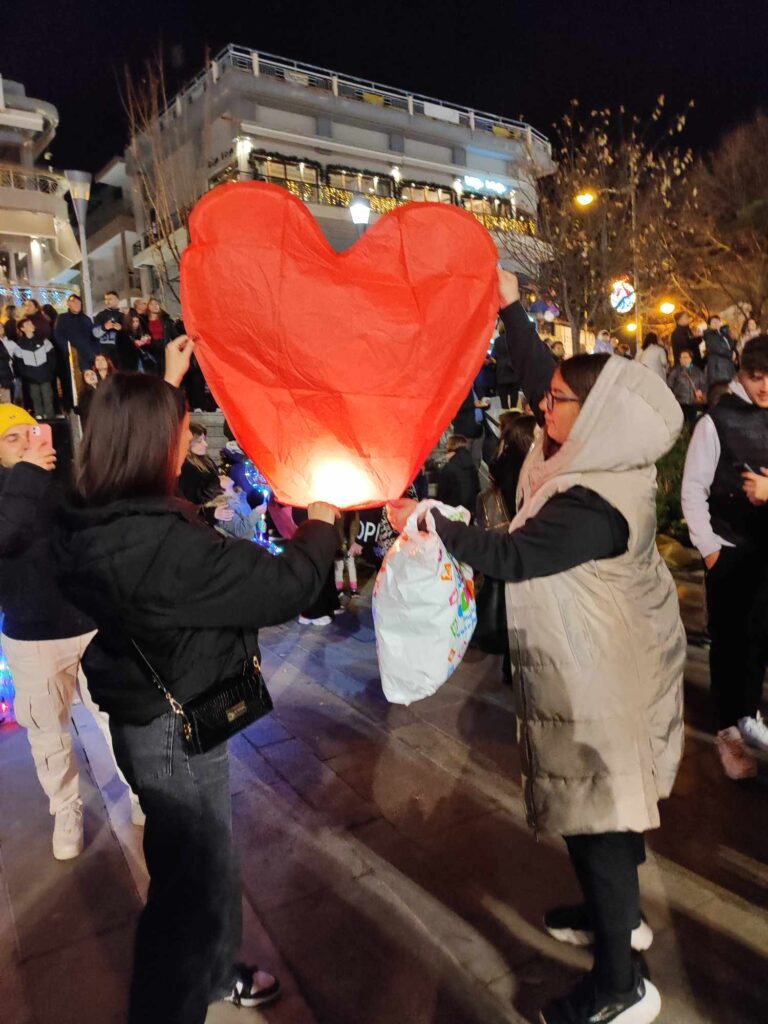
[{"x": 337, "y": 372}]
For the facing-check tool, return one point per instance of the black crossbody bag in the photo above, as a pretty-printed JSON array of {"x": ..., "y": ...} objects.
[{"x": 220, "y": 712}]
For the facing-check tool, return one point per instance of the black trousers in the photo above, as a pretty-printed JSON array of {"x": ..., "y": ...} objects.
[
  {"x": 606, "y": 866},
  {"x": 738, "y": 653},
  {"x": 62, "y": 382},
  {"x": 508, "y": 393},
  {"x": 188, "y": 938}
]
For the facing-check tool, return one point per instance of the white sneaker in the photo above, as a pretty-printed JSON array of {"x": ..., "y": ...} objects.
[
  {"x": 252, "y": 987},
  {"x": 737, "y": 763},
  {"x": 138, "y": 818},
  {"x": 754, "y": 731},
  {"x": 324, "y": 620},
  {"x": 68, "y": 839}
]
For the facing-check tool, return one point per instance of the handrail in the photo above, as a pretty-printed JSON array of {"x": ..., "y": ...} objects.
[
  {"x": 350, "y": 87},
  {"x": 31, "y": 180}
]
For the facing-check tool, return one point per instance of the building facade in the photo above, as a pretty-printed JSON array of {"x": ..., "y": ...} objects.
[
  {"x": 327, "y": 138},
  {"x": 37, "y": 244}
]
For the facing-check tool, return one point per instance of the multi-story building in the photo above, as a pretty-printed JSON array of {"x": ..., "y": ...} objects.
[
  {"x": 37, "y": 243},
  {"x": 328, "y": 138}
]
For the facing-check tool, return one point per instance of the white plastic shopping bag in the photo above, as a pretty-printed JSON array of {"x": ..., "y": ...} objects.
[{"x": 423, "y": 610}]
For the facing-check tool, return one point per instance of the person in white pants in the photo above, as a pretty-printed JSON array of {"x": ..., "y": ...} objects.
[{"x": 44, "y": 637}]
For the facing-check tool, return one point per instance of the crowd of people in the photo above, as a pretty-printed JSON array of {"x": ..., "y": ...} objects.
[
  {"x": 135, "y": 581},
  {"x": 38, "y": 372}
]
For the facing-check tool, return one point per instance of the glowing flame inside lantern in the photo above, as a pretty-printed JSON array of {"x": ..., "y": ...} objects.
[{"x": 341, "y": 483}]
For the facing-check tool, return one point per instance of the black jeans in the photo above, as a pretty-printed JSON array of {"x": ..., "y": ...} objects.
[
  {"x": 188, "y": 937},
  {"x": 606, "y": 866},
  {"x": 737, "y": 655}
]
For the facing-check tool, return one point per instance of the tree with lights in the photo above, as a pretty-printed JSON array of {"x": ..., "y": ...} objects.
[
  {"x": 714, "y": 245},
  {"x": 615, "y": 176}
]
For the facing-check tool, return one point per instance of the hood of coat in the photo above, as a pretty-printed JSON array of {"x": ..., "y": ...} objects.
[
  {"x": 104, "y": 553},
  {"x": 629, "y": 420}
]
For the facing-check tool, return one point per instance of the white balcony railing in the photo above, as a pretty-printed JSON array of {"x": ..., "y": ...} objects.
[
  {"x": 30, "y": 180},
  {"x": 348, "y": 87}
]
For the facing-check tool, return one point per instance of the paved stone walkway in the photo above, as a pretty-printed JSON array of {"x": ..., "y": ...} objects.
[{"x": 388, "y": 872}]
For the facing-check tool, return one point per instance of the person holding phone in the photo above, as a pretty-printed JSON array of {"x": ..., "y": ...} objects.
[
  {"x": 44, "y": 636},
  {"x": 731, "y": 532},
  {"x": 108, "y": 328}
]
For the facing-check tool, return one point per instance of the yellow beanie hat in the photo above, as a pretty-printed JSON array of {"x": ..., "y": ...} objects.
[{"x": 12, "y": 416}]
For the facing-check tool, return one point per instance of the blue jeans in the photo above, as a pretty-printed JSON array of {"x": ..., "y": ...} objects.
[{"x": 188, "y": 937}]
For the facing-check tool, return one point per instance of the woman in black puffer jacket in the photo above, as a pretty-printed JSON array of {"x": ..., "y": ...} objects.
[{"x": 149, "y": 572}]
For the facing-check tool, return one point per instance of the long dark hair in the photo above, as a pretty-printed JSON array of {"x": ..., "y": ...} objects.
[
  {"x": 580, "y": 372},
  {"x": 651, "y": 338},
  {"x": 202, "y": 463},
  {"x": 131, "y": 440},
  {"x": 50, "y": 312},
  {"x": 515, "y": 432}
]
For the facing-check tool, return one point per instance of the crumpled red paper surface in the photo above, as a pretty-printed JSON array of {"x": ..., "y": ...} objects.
[{"x": 336, "y": 371}]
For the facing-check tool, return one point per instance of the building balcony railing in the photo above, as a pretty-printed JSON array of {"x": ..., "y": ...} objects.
[
  {"x": 310, "y": 76},
  {"x": 32, "y": 180},
  {"x": 329, "y": 195}
]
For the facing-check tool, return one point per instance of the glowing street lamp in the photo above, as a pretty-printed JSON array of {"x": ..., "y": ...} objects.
[
  {"x": 585, "y": 198},
  {"x": 360, "y": 212},
  {"x": 631, "y": 327},
  {"x": 667, "y": 308},
  {"x": 243, "y": 149}
]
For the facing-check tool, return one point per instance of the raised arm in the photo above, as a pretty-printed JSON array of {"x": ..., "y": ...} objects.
[{"x": 531, "y": 357}]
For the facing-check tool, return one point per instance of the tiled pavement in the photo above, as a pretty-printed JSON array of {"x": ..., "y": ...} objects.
[{"x": 385, "y": 856}]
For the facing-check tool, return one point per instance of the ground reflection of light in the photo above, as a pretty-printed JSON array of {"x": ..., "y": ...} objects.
[{"x": 340, "y": 483}]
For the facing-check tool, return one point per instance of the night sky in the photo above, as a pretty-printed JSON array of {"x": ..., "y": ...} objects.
[{"x": 520, "y": 57}]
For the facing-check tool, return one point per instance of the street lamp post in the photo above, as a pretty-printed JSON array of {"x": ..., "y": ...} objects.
[
  {"x": 360, "y": 212},
  {"x": 589, "y": 196},
  {"x": 80, "y": 189}
]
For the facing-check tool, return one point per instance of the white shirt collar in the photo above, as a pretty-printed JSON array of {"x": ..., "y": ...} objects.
[{"x": 738, "y": 389}]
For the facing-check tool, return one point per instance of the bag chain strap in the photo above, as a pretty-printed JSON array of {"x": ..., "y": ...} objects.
[{"x": 176, "y": 706}]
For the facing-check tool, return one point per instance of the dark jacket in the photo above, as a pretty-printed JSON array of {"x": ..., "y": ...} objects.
[
  {"x": 505, "y": 371},
  {"x": 32, "y": 602},
  {"x": 107, "y": 340},
  {"x": 742, "y": 429},
  {"x": 34, "y": 358},
  {"x": 720, "y": 365},
  {"x": 148, "y": 571},
  {"x": 77, "y": 329},
  {"x": 683, "y": 340},
  {"x": 685, "y": 383},
  {"x": 458, "y": 483},
  {"x": 574, "y": 527},
  {"x": 465, "y": 422},
  {"x": 200, "y": 486},
  {"x": 6, "y": 367}
]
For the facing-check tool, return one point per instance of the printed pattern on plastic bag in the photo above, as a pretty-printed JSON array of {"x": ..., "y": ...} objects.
[{"x": 424, "y": 610}]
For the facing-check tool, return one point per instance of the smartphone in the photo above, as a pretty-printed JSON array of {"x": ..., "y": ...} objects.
[
  {"x": 744, "y": 467},
  {"x": 43, "y": 430}
]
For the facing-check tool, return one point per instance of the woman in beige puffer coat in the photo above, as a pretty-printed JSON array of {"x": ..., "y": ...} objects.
[{"x": 597, "y": 645}]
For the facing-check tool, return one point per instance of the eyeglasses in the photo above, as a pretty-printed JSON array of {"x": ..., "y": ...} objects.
[{"x": 552, "y": 400}]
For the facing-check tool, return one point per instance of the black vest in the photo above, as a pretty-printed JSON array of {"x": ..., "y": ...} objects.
[{"x": 742, "y": 429}]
